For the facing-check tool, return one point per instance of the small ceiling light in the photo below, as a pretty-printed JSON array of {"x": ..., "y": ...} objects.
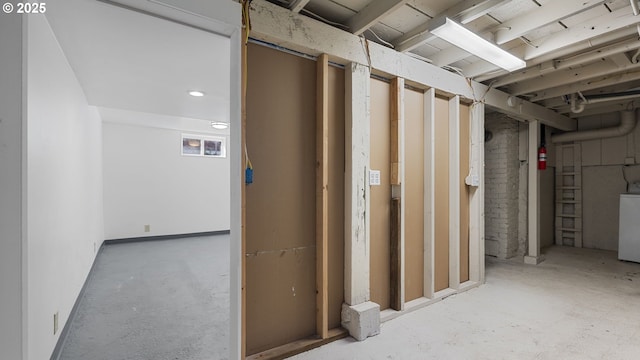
[
  {"x": 458, "y": 35},
  {"x": 219, "y": 125},
  {"x": 196, "y": 93}
]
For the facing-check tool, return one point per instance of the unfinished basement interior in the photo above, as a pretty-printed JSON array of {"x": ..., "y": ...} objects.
[{"x": 319, "y": 179}]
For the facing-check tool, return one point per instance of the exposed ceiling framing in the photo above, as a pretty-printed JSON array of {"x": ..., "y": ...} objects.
[{"x": 570, "y": 46}]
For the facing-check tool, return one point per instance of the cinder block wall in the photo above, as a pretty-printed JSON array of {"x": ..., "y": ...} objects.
[{"x": 502, "y": 186}]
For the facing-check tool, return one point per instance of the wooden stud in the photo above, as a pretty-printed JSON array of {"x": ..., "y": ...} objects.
[
  {"x": 396, "y": 108},
  {"x": 243, "y": 120},
  {"x": 299, "y": 346},
  {"x": 396, "y": 261},
  {"x": 476, "y": 196},
  {"x": 454, "y": 192},
  {"x": 322, "y": 197},
  {"x": 429, "y": 191}
]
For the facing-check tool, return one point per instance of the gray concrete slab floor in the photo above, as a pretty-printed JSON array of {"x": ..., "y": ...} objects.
[
  {"x": 577, "y": 304},
  {"x": 164, "y": 300}
]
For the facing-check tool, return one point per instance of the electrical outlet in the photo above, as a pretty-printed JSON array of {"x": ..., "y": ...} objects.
[
  {"x": 55, "y": 323},
  {"x": 147, "y": 228}
]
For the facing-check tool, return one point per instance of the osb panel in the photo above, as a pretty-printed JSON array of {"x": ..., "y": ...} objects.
[
  {"x": 414, "y": 194},
  {"x": 336, "y": 195},
  {"x": 465, "y": 144},
  {"x": 281, "y": 298},
  {"x": 380, "y": 195},
  {"x": 441, "y": 194},
  {"x": 280, "y": 204}
]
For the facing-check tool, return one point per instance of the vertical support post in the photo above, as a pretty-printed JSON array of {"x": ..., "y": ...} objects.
[
  {"x": 533, "y": 254},
  {"x": 397, "y": 193},
  {"x": 357, "y": 144},
  {"x": 238, "y": 144},
  {"x": 429, "y": 192},
  {"x": 322, "y": 196},
  {"x": 454, "y": 192},
  {"x": 360, "y": 316},
  {"x": 476, "y": 196}
]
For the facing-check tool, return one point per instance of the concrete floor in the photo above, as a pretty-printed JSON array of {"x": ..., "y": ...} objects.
[
  {"x": 578, "y": 304},
  {"x": 149, "y": 300}
]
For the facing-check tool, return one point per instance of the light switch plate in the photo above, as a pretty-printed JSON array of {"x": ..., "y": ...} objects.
[{"x": 374, "y": 177}]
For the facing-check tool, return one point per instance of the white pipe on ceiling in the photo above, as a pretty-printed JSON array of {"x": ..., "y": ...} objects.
[{"x": 628, "y": 120}]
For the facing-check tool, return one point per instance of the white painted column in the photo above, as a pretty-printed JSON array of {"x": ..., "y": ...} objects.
[
  {"x": 533, "y": 254},
  {"x": 454, "y": 192},
  {"x": 360, "y": 316},
  {"x": 237, "y": 169},
  {"x": 429, "y": 192},
  {"x": 476, "y": 202},
  {"x": 12, "y": 186}
]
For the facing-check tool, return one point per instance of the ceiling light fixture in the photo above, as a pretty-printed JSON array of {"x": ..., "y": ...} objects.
[
  {"x": 196, "y": 93},
  {"x": 219, "y": 125},
  {"x": 458, "y": 35}
]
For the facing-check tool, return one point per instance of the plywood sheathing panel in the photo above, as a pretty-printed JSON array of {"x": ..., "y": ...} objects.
[
  {"x": 380, "y": 195},
  {"x": 280, "y": 204},
  {"x": 336, "y": 195},
  {"x": 464, "y": 192},
  {"x": 414, "y": 190},
  {"x": 441, "y": 194}
]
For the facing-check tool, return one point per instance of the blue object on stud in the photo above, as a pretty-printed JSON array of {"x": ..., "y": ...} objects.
[{"x": 248, "y": 176}]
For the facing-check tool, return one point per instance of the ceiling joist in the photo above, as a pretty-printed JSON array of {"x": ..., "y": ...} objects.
[
  {"x": 585, "y": 85},
  {"x": 297, "y": 5},
  {"x": 463, "y": 12},
  {"x": 279, "y": 26},
  {"x": 373, "y": 13}
]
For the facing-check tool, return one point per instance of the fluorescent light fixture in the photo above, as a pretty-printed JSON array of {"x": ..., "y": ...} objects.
[
  {"x": 219, "y": 125},
  {"x": 196, "y": 93},
  {"x": 458, "y": 35}
]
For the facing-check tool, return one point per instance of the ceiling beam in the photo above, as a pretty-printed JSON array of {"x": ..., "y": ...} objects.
[
  {"x": 586, "y": 30},
  {"x": 559, "y": 64},
  {"x": 544, "y": 15},
  {"x": 515, "y": 27},
  {"x": 586, "y": 85},
  {"x": 567, "y": 76},
  {"x": 297, "y": 5},
  {"x": 463, "y": 12},
  {"x": 482, "y": 70},
  {"x": 272, "y": 23},
  {"x": 373, "y": 13}
]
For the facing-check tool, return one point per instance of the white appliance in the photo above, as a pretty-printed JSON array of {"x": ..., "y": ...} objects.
[{"x": 629, "y": 237}]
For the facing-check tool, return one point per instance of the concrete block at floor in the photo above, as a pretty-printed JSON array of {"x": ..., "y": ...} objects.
[{"x": 362, "y": 320}]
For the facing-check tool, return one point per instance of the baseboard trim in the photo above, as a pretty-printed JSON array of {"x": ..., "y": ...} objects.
[
  {"x": 57, "y": 351},
  {"x": 164, "y": 237}
]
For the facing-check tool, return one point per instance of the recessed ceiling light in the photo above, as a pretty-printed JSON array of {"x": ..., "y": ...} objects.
[
  {"x": 219, "y": 125},
  {"x": 196, "y": 93}
]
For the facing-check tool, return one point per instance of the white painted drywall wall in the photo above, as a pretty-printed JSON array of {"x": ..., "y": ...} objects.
[
  {"x": 148, "y": 182},
  {"x": 64, "y": 187},
  {"x": 11, "y": 179}
]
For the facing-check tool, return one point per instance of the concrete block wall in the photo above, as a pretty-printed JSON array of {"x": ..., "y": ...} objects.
[{"x": 502, "y": 186}]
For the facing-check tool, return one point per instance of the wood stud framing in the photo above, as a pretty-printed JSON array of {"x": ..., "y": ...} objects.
[
  {"x": 397, "y": 245},
  {"x": 322, "y": 197},
  {"x": 429, "y": 192},
  {"x": 454, "y": 192}
]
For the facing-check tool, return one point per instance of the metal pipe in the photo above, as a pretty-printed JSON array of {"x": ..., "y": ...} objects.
[
  {"x": 628, "y": 120},
  {"x": 634, "y": 6},
  {"x": 576, "y": 108}
]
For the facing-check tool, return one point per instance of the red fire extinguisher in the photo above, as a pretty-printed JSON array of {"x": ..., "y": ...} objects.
[{"x": 542, "y": 158}]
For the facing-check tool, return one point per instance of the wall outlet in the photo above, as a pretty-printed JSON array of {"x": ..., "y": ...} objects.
[
  {"x": 147, "y": 228},
  {"x": 374, "y": 177},
  {"x": 55, "y": 323}
]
